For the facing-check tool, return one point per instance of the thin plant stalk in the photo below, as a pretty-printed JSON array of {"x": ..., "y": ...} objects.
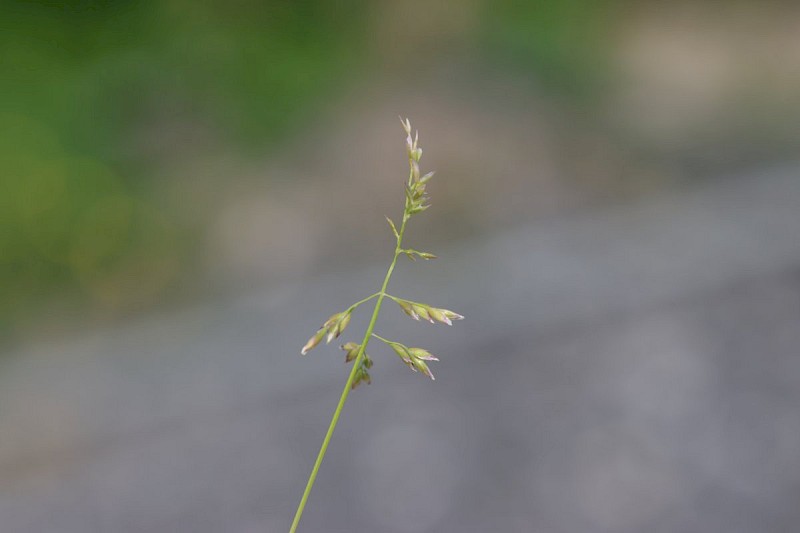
[{"x": 415, "y": 358}]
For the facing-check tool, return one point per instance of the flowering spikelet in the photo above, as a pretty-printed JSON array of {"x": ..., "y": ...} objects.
[
  {"x": 331, "y": 329},
  {"x": 362, "y": 374},
  {"x": 416, "y": 199},
  {"x": 413, "y": 254},
  {"x": 421, "y": 310},
  {"x": 338, "y": 323},
  {"x": 414, "y": 358},
  {"x": 314, "y": 340},
  {"x": 432, "y": 314},
  {"x": 350, "y": 350},
  {"x": 407, "y": 308}
]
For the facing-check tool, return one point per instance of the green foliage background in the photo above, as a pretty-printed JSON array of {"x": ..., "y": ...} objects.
[
  {"x": 82, "y": 79},
  {"x": 85, "y": 83}
]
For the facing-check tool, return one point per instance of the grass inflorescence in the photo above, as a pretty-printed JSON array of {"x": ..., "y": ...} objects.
[{"x": 417, "y": 359}]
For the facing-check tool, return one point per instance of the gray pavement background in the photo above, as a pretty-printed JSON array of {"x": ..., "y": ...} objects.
[{"x": 635, "y": 369}]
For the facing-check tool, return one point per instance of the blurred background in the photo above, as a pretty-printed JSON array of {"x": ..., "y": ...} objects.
[{"x": 187, "y": 189}]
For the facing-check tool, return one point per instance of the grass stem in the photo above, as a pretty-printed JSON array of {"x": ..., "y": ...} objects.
[{"x": 348, "y": 386}]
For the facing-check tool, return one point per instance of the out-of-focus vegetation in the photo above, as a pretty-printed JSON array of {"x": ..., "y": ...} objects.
[
  {"x": 86, "y": 87},
  {"x": 89, "y": 89},
  {"x": 564, "y": 44},
  {"x": 126, "y": 123}
]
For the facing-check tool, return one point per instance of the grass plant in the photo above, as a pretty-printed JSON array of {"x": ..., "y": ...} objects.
[{"x": 417, "y": 359}]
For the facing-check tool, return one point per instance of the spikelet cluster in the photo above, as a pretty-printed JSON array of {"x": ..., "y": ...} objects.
[
  {"x": 432, "y": 314},
  {"x": 331, "y": 329},
  {"x": 351, "y": 350},
  {"x": 416, "y": 194},
  {"x": 414, "y": 358},
  {"x": 416, "y": 201}
]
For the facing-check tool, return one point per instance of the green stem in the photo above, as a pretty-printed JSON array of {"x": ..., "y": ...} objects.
[
  {"x": 387, "y": 341},
  {"x": 348, "y": 385},
  {"x": 368, "y": 298}
]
